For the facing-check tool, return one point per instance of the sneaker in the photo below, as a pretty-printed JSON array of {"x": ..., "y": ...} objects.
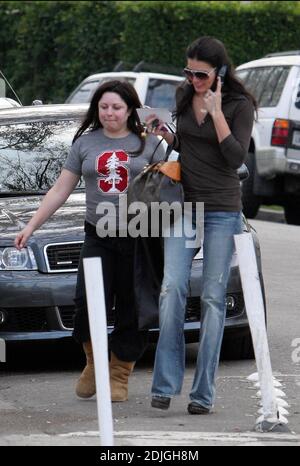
[
  {"x": 160, "y": 402},
  {"x": 195, "y": 408}
]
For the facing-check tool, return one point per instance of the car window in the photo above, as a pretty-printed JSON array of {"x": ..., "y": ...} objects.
[
  {"x": 32, "y": 154},
  {"x": 242, "y": 74},
  {"x": 85, "y": 93},
  {"x": 265, "y": 83},
  {"x": 297, "y": 100},
  {"x": 161, "y": 94}
]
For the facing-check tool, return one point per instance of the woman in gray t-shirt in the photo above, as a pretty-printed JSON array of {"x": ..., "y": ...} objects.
[{"x": 109, "y": 149}]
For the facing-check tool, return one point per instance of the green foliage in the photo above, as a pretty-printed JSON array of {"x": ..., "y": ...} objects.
[
  {"x": 248, "y": 31},
  {"x": 51, "y": 46},
  {"x": 47, "y": 48}
]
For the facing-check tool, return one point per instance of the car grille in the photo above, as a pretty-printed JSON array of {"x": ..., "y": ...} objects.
[
  {"x": 63, "y": 257},
  {"x": 25, "y": 320},
  {"x": 66, "y": 314},
  {"x": 192, "y": 313},
  {"x": 193, "y": 309},
  {"x": 36, "y": 319}
]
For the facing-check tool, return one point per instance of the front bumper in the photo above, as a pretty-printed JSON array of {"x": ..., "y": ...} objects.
[{"x": 41, "y": 307}]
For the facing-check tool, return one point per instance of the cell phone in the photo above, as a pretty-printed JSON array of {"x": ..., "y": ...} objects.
[
  {"x": 155, "y": 123},
  {"x": 222, "y": 73}
]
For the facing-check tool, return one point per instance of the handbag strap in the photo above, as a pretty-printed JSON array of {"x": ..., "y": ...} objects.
[
  {"x": 168, "y": 152},
  {"x": 153, "y": 153}
]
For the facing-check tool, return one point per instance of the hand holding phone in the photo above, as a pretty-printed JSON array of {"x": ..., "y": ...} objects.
[
  {"x": 222, "y": 73},
  {"x": 213, "y": 97},
  {"x": 155, "y": 119},
  {"x": 155, "y": 123}
]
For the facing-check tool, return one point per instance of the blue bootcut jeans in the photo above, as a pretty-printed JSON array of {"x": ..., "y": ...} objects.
[{"x": 218, "y": 248}]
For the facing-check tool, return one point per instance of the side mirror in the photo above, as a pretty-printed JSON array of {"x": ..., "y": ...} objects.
[
  {"x": 243, "y": 172},
  {"x": 37, "y": 102}
]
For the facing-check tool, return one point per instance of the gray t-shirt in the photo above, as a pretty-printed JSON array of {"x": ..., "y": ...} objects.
[{"x": 107, "y": 166}]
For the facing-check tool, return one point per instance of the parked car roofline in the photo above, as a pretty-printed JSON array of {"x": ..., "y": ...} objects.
[
  {"x": 49, "y": 112},
  {"x": 288, "y": 60},
  {"x": 133, "y": 74}
]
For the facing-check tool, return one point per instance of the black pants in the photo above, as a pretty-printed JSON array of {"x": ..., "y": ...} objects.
[{"x": 117, "y": 255}]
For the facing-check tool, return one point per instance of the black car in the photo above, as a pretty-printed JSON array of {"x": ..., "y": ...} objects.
[{"x": 38, "y": 283}]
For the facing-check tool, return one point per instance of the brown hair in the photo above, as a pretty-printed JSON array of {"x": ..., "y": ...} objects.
[
  {"x": 212, "y": 51},
  {"x": 129, "y": 95}
]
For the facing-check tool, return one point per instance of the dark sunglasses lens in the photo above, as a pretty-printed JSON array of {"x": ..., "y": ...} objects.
[
  {"x": 201, "y": 75},
  {"x": 198, "y": 74},
  {"x": 188, "y": 74}
]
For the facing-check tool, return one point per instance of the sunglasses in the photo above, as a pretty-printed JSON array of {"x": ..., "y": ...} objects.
[{"x": 202, "y": 75}]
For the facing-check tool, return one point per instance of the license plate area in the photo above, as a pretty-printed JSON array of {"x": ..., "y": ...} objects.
[{"x": 296, "y": 138}]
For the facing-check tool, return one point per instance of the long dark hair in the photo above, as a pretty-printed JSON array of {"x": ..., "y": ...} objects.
[
  {"x": 212, "y": 51},
  {"x": 127, "y": 93}
]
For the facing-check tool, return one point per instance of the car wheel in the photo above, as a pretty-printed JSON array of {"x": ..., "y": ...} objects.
[
  {"x": 238, "y": 347},
  {"x": 292, "y": 211},
  {"x": 251, "y": 202}
]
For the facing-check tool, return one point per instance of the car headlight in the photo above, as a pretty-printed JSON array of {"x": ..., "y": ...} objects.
[{"x": 13, "y": 259}]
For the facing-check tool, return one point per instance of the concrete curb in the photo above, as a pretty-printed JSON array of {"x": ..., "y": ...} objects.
[
  {"x": 155, "y": 438},
  {"x": 270, "y": 216}
]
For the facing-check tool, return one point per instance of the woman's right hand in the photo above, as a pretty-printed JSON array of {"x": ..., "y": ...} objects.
[{"x": 22, "y": 237}]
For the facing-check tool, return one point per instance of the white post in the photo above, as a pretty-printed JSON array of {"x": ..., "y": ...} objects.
[
  {"x": 98, "y": 329},
  {"x": 256, "y": 316},
  {"x": 2, "y": 350}
]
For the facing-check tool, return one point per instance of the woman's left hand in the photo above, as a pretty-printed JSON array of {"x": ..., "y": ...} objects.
[
  {"x": 213, "y": 100},
  {"x": 155, "y": 125}
]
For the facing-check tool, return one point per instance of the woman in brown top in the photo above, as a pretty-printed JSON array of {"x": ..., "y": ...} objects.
[{"x": 214, "y": 124}]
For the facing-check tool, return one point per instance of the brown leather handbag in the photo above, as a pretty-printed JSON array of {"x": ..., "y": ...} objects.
[{"x": 157, "y": 182}]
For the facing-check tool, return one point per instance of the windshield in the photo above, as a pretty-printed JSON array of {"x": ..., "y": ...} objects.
[
  {"x": 32, "y": 155},
  {"x": 87, "y": 90}
]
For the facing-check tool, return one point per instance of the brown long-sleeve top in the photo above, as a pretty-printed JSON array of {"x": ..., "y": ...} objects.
[{"x": 209, "y": 168}]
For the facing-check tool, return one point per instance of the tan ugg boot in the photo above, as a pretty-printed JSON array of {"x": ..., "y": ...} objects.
[
  {"x": 119, "y": 374},
  {"x": 86, "y": 385}
]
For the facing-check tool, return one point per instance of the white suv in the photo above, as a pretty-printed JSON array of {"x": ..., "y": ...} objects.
[
  {"x": 154, "y": 89},
  {"x": 274, "y": 155}
]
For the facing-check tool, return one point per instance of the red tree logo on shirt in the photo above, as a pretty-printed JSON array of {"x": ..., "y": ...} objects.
[{"x": 111, "y": 166}]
